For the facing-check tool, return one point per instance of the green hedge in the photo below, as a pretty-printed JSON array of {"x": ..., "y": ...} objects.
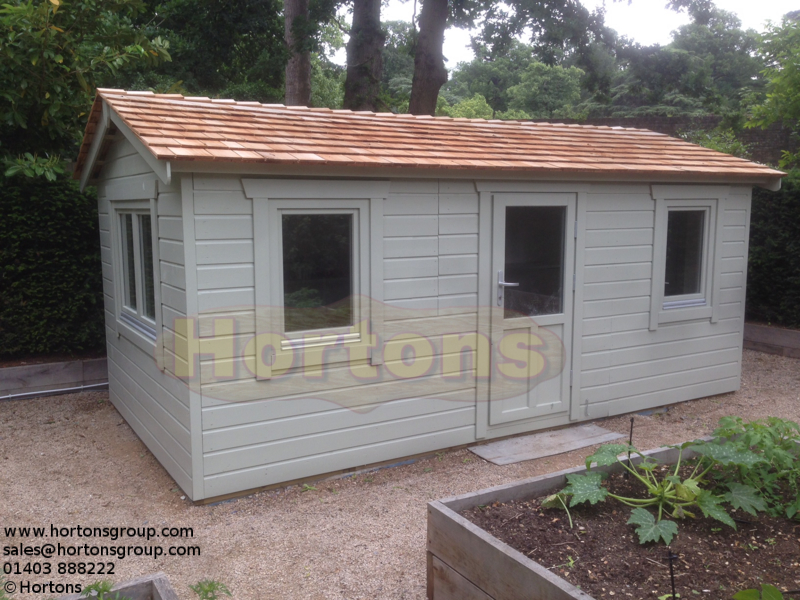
[
  {"x": 773, "y": 272},
  {"x": 51, "y": 288}
]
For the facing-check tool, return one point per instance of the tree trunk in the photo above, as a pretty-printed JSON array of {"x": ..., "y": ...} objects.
[
  {"x": 429, "y": 72},
  {"x": 298, "y": 69},
  {"x": 364, "y": 60}
]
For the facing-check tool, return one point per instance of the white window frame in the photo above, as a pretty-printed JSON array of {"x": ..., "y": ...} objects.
[
  {"x": 359, "y": 210},
  {"x": 364, "y": 200},
  {"x": 133, "y": 324},
  {"x": 704, "y": 304}
]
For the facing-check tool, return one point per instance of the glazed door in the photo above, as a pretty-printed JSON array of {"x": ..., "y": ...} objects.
[{"x": 533, "y": 257}]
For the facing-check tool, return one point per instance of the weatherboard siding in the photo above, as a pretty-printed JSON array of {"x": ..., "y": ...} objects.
[
  {"x": 625, "y": 366},
  {"x": 251, "y": 433},
  {"x": 297, "y": 426},
  {"x": 154, "y": 403}
]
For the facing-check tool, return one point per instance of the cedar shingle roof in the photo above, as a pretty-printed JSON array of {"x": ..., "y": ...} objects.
[{"x": 177, "y": 128}]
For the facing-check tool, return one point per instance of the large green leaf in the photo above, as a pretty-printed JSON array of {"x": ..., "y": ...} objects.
[
  {"x": 745, "y": 498},
  {"x": 711, "y": 506},
  {"x": 692, "y": 485},
  {"x": 768, "y": 592},
  {"x": 649, "y": 530},
  {"x": 555, "y": 501},
  {"x": 747, "y": 595},
  {"x": 728, "y": 454},
  {"x": 585, "y": 487},
  {"x": 684, "y": 493},
  {"x": 607, "y": 455}
]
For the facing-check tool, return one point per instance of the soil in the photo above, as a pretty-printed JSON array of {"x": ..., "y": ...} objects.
[
  {"x": 73, "y": 460},
  {"x": 602, "y": 556}
]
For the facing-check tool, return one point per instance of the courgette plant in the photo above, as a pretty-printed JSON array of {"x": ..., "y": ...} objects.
[
  {"x": 668, "y": 492},
  {"x": 777, "y": 477}
]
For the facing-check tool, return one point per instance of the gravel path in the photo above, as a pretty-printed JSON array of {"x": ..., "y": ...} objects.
[{"x": 72, "y": 460}]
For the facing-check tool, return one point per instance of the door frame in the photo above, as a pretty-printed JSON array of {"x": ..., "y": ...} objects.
[{"x": 486, "y": 190}]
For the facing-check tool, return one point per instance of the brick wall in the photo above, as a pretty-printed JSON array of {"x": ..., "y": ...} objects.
[{"x": 766, "y": 145}]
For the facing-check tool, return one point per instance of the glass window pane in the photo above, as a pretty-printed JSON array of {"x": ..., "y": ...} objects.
[
  {"x": 146, "y": 245},
  {"x": 535, "y": 260},
  {"x": 129, "y": 266},
  {"x": 317, "y": 271},
  {"x": 684, "y": 252}
]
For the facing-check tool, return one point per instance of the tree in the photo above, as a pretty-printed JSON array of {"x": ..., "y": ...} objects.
[
  {"x": 728, "y": 52},
  {"x": 473, "y": 108},
  {"x": 559, "y": 28},
  {"x": 429, "y": 71},
  {"x": 232, "y": 48},
  {"x": 52, "y": 59},
  {"x": 544, "y": 91},
  {"x": 780, "y": 46},
  {"x": 398, "y": 65},
  {"x": 364, "y": 58},
  {"x": 298, "y": 67},
  {"x": 304, "y": 21},
  {"x": 491, "y": 76},
  {"x": 561, "y": 32}
]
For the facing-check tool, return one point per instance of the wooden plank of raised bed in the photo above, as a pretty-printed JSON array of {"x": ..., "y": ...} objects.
[
  {"x": 162, "y": 590},
  {"x": 450, "y": 585},
  {"x": 773, "y": 340},
  {"x": 149, "y": 587},
  {"x": 495, "y": 568},
  {"x": 41, "y": 376}
]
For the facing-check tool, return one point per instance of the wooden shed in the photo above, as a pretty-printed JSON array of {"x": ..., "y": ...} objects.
[{"x": 292, "y": 292}]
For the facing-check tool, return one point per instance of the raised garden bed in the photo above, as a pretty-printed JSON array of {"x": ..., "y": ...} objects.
[
  {"x": 149, "y": 587},
  {"x": 50, "y": 378},
  {"x": 605, "y": 560},
  {"x": 773, "y": 340}
]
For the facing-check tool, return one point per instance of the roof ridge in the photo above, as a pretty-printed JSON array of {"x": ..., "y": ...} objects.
[{"x": 365, "y": 113}]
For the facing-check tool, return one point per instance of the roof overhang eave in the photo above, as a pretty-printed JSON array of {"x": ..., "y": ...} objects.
[
  {"x": 162, "y": 168},
  {"x": 380, "y": 172}
]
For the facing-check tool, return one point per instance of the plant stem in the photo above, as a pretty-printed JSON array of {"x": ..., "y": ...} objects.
[{"x": 569, "y": 516}]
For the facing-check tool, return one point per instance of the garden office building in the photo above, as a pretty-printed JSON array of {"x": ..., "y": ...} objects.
[{"x": 294, "y": 292}]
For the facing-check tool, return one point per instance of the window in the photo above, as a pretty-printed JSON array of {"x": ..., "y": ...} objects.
[
  {"x": 138, "y": 306},
  {"x": 686, "y": 253},
  {"x": 318, "y": 255},
  {"x": 317, "y": 271},
  {"x": 534, "y": 258}
]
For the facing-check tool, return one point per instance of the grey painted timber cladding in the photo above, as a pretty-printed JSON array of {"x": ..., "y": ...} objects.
[
  {"x": 430, "y": 252},
  {"x": 154, "y": 403},
  {"x": 624, "y": 365}
]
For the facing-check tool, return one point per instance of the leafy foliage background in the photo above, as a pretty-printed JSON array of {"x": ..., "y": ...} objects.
[
  {"x": 51, "y": 294},
  {"x": 773, "y": 272}
]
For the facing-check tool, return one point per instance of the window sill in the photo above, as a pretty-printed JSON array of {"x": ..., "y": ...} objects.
[
  {"x": 679, "y": 314},
  {"x": 137, "y": 334}
]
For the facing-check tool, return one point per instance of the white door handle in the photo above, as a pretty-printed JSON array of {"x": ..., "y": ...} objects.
[{"x": 501, "y": 285}]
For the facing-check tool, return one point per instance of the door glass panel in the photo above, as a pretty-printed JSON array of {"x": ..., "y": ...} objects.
[
  {"x": 317, "y": 271},
  {"x": 534, "y": 258},
  {"x": 684, "y": 252}
]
